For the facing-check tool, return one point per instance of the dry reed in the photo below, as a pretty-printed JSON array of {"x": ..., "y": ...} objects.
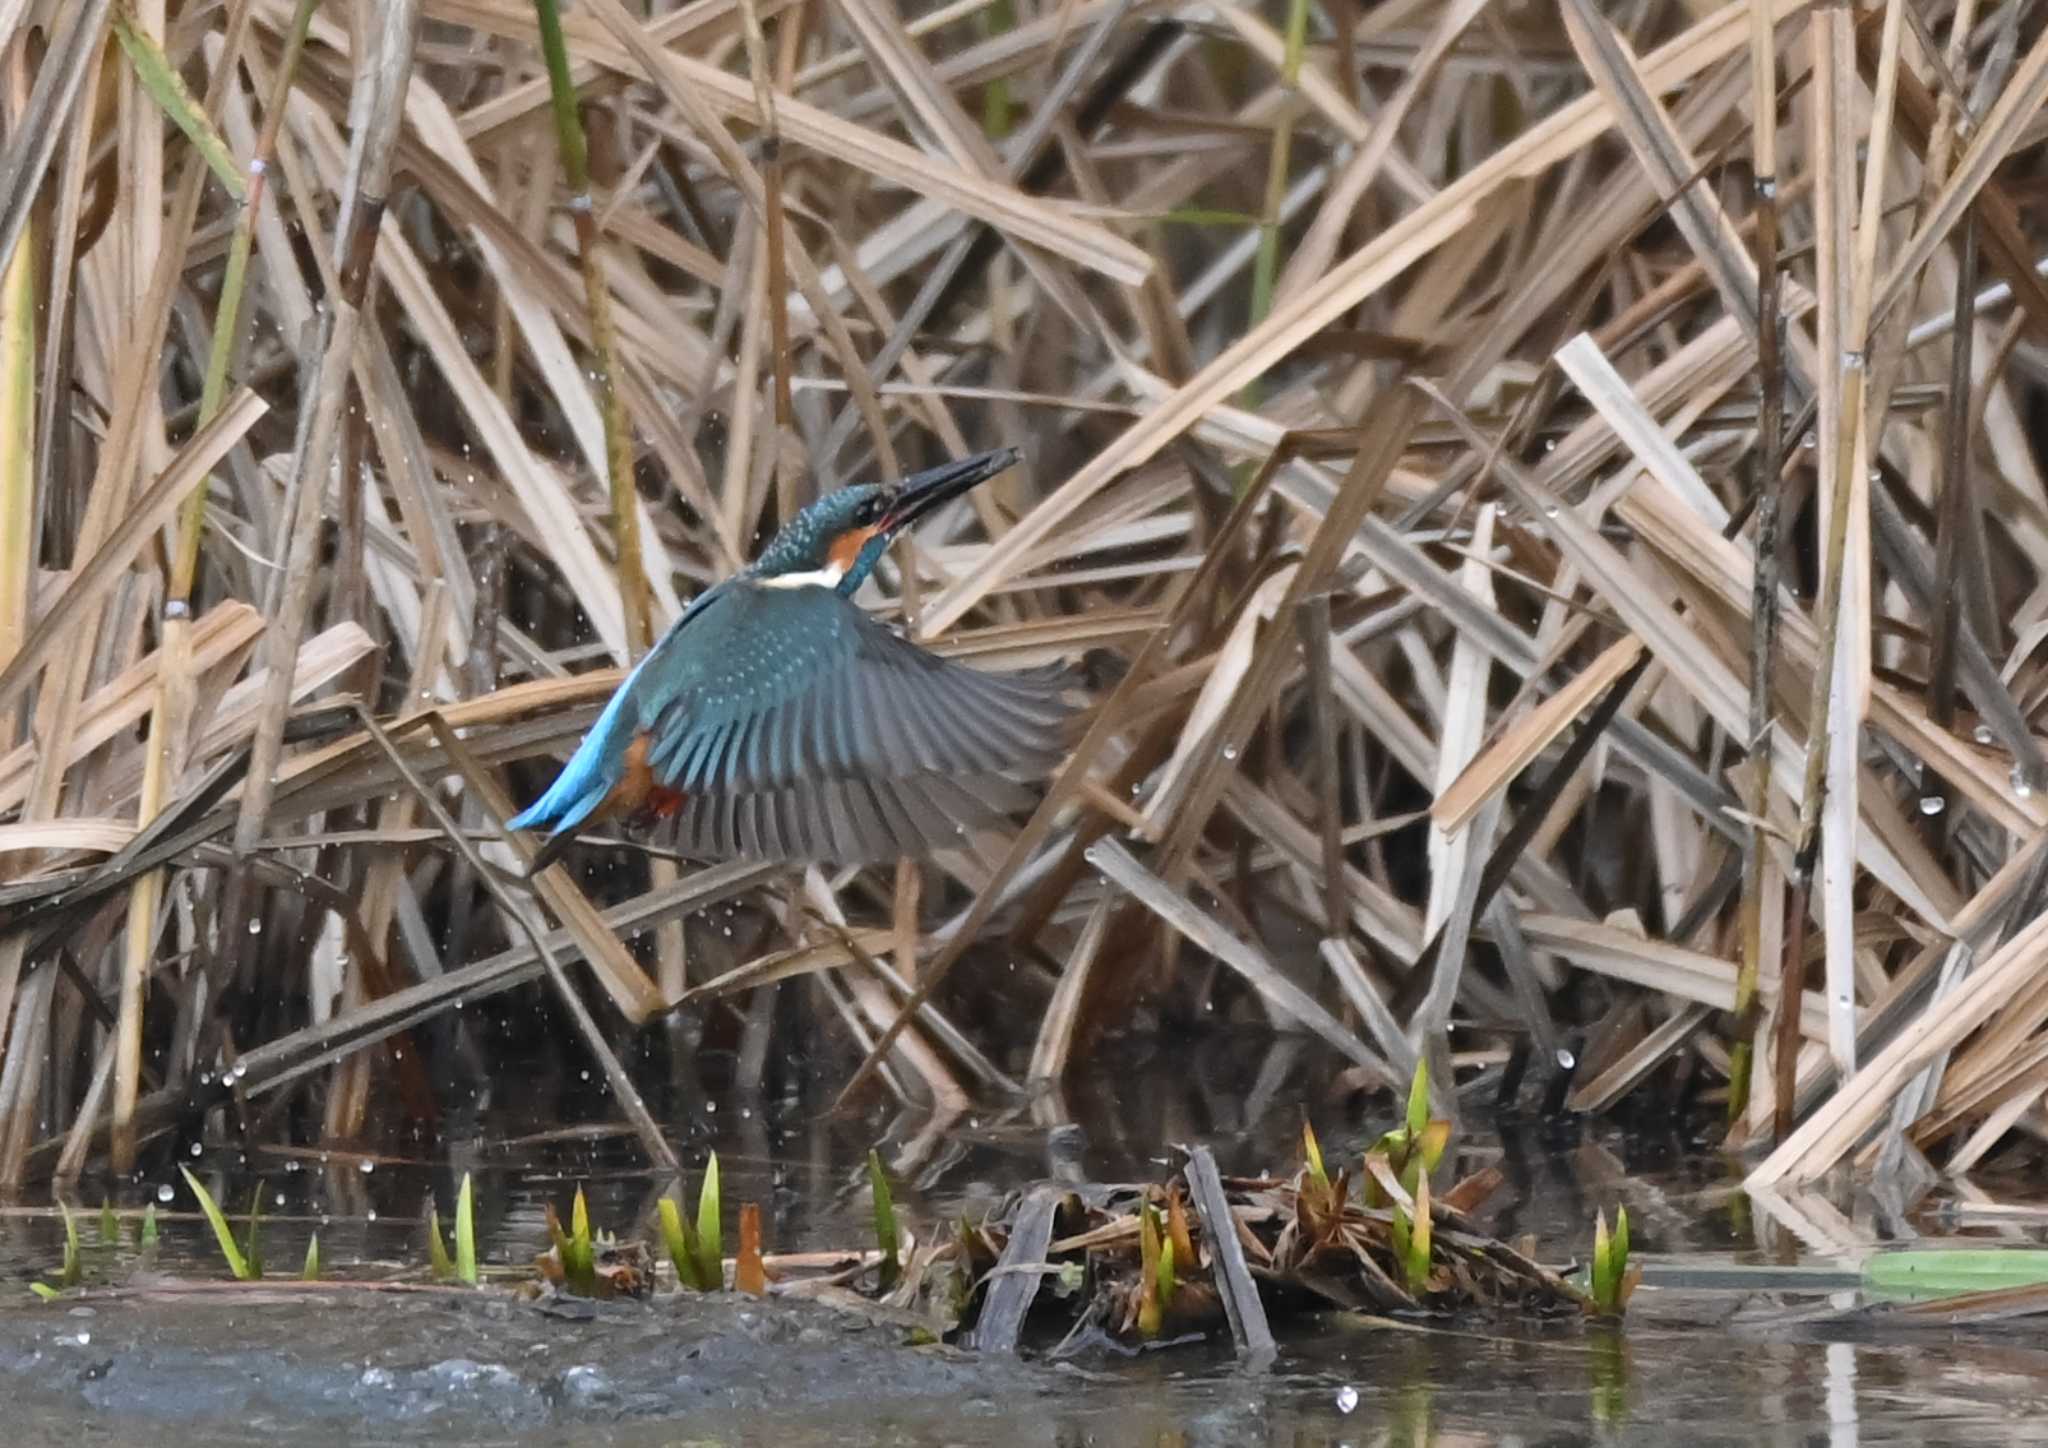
[{"x": 1548, "y": 498}]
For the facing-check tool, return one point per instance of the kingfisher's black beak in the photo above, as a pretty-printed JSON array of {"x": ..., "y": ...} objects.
[{"x": 921, "y": 492}]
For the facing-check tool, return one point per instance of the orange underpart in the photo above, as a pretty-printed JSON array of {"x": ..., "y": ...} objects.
[
  {"x": 637, "y": 791},
  {"x": 664, "y": 801}
]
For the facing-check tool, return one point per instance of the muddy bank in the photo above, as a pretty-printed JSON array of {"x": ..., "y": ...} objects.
[{"x": 428, "y": 1368}]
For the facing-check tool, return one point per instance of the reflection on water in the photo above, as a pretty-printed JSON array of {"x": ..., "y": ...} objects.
[{"x": 1693, "y": 1367}]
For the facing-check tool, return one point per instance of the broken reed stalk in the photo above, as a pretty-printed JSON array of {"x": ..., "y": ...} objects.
[
  {"x": 597, "y": 297},
  {"x": 1769, "y": 492},
  {"x": 788, "y": 498},
  {"x": 17, "y": 420},
  {"x": 1944, "y": 633},
  {"x": 383, "y": 70}
]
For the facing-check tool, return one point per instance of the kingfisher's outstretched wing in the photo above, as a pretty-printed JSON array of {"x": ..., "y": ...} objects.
[{"x": 796, "y": 727}]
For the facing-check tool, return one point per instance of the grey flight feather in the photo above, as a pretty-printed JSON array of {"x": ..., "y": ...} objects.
[{"x": 796, "y": 727}]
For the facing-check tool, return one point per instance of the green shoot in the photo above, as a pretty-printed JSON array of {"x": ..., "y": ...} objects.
[
  {"x": 1177, "y": 1235},
  {"x": 45, "y": 1291},
  {"x": 887, "y": 1239},
  {"x": 710, "y": 1230},
  {"x": 145, "y": 1234},
  {"x": 238, "y": 1264},
  {"x": 1153, "y": 1274},
  {"x": 465, "y": 1233},
  {"x": 74, "y": 1267},
  {"x": 1610, "y": 1276},
  {"x": 1415, "y": 1265},
  {"x": 110, "y": 1225},
  {"x": 1413, "y": 1149},
  {"x": 681, "y": 1244},
  {"x": 1312, "y": 1153},
  {"x": 579, "y": 1263},
  {"x": 437, "y": 1251},
  {"x": 574, "y": 1248},
  {"x": 310, "y": 1272}
]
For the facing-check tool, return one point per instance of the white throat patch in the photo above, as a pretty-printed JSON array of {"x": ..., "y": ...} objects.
[{"x": 826, "y": 577}]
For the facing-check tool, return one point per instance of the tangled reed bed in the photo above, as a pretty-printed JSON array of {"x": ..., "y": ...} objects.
[{"x": 1548, "y": 496}]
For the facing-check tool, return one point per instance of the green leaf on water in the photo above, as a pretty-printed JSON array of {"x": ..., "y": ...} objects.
[
  {"x": 1942, "y": 1271},
  {"x": 222, "y": 1233},
  {"x": 465, "y": 1233},
  {"x": 45, "y": 1291}
]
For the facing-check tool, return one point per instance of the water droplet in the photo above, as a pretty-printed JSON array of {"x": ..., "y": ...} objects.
[
  {"x": 1809, "y": 441},
  {"x": 2020, "y": 788},
  {"x": 279, "y": 1199},
  {"x": 1347, "y": 1399},
  {"x": 1982, "y": 734},
  {"x": 1566, "y": 1061},
  {"x": 164, "y": 1193},
  {"x": 1230, "y": 751},
  {"x": 366, "y": 1166},
  {"x": 1932, "y": 804},
  {"x": 195, "y": 1148},
  {"x": 371, "y": 1215},
  {"x": 255, "y": 927},
  {"x": 291, "y": 1166}
]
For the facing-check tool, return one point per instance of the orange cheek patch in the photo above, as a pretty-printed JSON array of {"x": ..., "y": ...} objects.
[{"x": 846, "y": 547}]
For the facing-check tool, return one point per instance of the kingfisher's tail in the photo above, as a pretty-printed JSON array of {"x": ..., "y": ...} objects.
[
  {"x": 584, "y": 784},
  {"x": 574, "y": 796}
]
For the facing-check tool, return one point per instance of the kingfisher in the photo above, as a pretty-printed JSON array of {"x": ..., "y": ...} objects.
[{"x": 776, "y": 720}]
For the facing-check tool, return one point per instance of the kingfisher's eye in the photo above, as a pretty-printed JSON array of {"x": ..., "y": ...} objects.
[{"x": 868, "y": 513}]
